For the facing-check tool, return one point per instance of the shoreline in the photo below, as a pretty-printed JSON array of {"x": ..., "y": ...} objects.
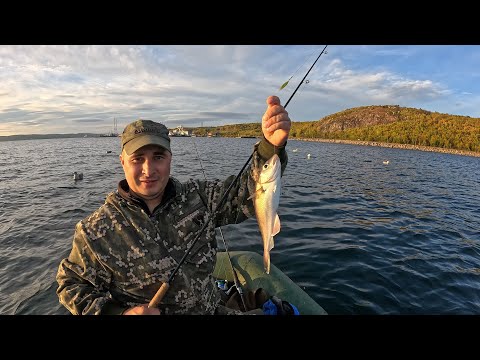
[{"x": 394, "y": 145}]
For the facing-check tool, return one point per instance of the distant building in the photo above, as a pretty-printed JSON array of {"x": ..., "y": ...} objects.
[{"x": 179, "y": 131}]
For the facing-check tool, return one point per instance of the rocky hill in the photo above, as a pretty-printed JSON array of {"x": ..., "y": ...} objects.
[
  {"x": 379, "y": 123},
  {"x": 366, "y": 116}
]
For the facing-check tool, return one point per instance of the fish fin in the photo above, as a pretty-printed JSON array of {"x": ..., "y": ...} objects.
[
  {"x": 258, "y": 191},
  {"x": 276, "y": 226},
  {"x": 275, "y": 231}
]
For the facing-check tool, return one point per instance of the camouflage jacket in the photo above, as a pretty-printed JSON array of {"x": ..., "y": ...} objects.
[{"x": 121, "y": 253}]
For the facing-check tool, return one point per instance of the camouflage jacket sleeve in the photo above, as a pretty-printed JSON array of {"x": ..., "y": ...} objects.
[
  {"x": 238, "y": 206},
  {"x": 82, "y": 281}
]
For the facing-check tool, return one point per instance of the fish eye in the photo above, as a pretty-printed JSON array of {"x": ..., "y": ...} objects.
[{"x": 265, "y": 166}]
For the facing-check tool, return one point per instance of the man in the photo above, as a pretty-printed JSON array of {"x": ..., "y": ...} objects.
[{"x": 125, "y": 250}]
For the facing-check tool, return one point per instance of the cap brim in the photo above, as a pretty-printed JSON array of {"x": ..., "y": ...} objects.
[{"x": 136, "y": 143}]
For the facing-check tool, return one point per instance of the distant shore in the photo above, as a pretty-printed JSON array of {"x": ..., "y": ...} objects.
[
  {"x": 393, "y": 145},
  {"x": 351, "y": 142}
]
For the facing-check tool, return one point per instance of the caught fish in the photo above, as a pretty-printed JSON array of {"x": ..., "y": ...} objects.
[{"x": 266, "y": 200}]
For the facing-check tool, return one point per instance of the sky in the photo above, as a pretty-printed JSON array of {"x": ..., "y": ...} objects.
[{"x": 64, "y": 89}]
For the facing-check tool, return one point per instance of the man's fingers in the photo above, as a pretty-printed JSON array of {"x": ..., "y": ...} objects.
[
  {"x": 273, "y": 125},
  {"x": 282, "y": 117}
]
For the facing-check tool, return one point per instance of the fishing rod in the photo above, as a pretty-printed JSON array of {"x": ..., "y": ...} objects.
[
  {"x": 290, "y": 78},
  {"x": 159, "y": 295},
  {"x": 301, "y": 82},
  {"x": 157, "y": 298}
]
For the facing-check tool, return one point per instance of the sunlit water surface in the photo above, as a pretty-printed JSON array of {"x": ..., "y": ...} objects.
[{"x": 359, "y": 236}]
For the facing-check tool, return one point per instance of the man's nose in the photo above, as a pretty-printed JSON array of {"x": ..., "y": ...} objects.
[{"x": 147, "y": 168}]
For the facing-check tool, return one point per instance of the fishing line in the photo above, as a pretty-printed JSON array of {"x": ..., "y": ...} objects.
[
  {"x": 164, "y": 287},
  {"x": 301, "y": 82},
  {"x": 235, "y": 275},
  {"x": 157, "y": 298},
  {"x": 290, "y": 78}
]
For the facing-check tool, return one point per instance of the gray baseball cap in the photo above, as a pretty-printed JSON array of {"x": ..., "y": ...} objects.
[{"x": 144, "y": 132}]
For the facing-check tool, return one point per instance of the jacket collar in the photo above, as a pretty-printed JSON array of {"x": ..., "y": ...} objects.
[{"x": 170, "y": 192}]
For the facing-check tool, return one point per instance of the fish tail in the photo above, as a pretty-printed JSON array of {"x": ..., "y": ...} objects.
[{"x": 266, "y": 261}]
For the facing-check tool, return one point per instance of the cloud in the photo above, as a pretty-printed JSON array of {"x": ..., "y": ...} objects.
[{"x": 81, "y": 88}]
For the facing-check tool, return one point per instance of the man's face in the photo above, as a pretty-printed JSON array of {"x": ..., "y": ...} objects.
[{"x": 147, "y": 171}]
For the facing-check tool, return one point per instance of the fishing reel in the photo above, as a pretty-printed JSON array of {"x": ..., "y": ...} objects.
[{"x": 225, "y": 285}]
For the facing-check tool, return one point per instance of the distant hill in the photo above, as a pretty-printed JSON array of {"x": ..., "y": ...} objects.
[{"x": 379, "y": 123}]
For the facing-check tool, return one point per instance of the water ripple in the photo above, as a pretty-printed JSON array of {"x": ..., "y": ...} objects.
[{"x": 359, "y": 236}]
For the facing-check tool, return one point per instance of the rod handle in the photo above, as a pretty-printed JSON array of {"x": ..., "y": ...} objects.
[{"x": 159, "y": 295}]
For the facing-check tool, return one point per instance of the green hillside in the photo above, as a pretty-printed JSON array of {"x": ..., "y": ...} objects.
[{"x": 387, "y": 123}]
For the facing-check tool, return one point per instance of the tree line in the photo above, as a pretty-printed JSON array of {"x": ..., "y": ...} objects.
[{"x": 387, "y": 123}]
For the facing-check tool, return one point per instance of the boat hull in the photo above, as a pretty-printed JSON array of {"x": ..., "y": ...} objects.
[{"x": 251, "y": 274}]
